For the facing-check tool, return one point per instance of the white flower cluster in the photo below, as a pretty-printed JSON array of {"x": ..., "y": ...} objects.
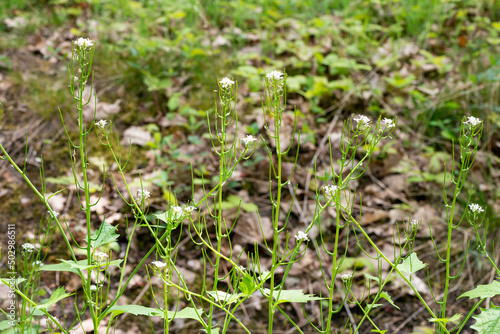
[
  {"x": 38, "y": 263},
  {"x": 248, "y": 140},
  {"x": 93, "y": 287},
  {"x": 274, "y": 75},
  {"x": 330, "y": 190},
  {"x": 346, "y": 277},
  {"x": 226, "y": 83},
  {"x": 301, "y": 236},
  {"x": 158, "y": 265},
  {"x": 47, "y": 322},
  {"x": 389, "y": 123},
  {"x": 102, "y": 123},
  {"x": 475, "y": 208},
  {"x": 362, "y": 121},
  {"x": 177, "y": 212},
  {"x": 415, "y": 224},
  {"x": 84, "y": 43},
  {"x": 55, "y": 215},
  {"x": 100, "y": 257},
  {"x": 189, "y": 209},
  {"x": 28, "y": 248},
  {"x": 143, "y": 195},
  {"x": 473, "y": 121}
]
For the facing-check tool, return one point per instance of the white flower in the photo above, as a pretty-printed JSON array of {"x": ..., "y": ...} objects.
[
  {"x": 415, "y": 224},
  {"x": 177, "y": 212},
  {"x": 102, "y": 123},
  {"x": 248, "y": 140},
  {"x": 274, "y": 75},
  {"x": 189, "y": 209},
  {"x": 100, "y": 257},
  {"x": 330, "y": 190},
  {"x": 158, "y": 265},
  {"x": 47, "y": 322},
  {"x": 84, "y": 43},
  {"x": 93, "y": 287},
  {"x": 143, "y": 194},
  {"x": 362, "y": 121},
  {"x": 55, "y": 215},
  {"x": 389, "y": 123},
  {"x": 28, "y": 248},
  {"x": 346, "y": 277},
  {"x": 475, "y": 208},
  {"x": 301, "y": 236},
  {"x": 473, "y": 121},
  {"x": 226, "y": 83},
  {"x": 38, "y": 263},
  {"x": 76, "y": 78}
]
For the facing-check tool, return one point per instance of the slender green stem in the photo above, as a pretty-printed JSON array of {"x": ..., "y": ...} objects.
[
  {"x": 26, "y": 298},
  {"x": 42, "y": 198},
  {"x": 334, "y": 272},
  {"x": 410, "y": 284},
  {"x": 448, "y": 245},
  {"x": 277, "y": 203}
]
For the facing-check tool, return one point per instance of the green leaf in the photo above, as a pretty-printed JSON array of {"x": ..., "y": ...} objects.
[
  {"x": 483, "y": 291},
  {"x": 185, "y": 313},
  {"x": 5, "y": 324},
  {"x": 73, "y": 266},
  {"x": 411, "y": 264},
  {"x": 374, "y": 305},
  {"x": 56, "y": 296},
  {"x": 454, "y": 319},
  {"x": 104, "y": 235},
  {"x": 379, "y": 331},
  {"x": 226, "y": 298},
  {"x": 246, "y": 71},
  {"x": 247, "y": 285},
  {"x": 292, "y": 296},
  {"x": 386, "y": 296},
  {"x": 7, "y": 280},
  {"x": 65, "y": 180},
  {"x": 233, "y": 201},
  {"x": 60, "y": 267},
  {"x": 135, "y": 310},
  {"x": 356, "y": 263},
  {"x": 372, "y": 277},
  {"x": 488, "y": 321},
  {"x": 173, "y": 102},
  {"x": 294, "y": 83}
]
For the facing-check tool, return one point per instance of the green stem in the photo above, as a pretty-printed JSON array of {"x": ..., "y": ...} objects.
[
  {"x": 24, "y": 297},
  {"x": 334, "y": 272},
  {"x": 448, "y": 245},
  {"x": 42, "y": 198},
  {"x": 410, "y": 284},
  {"x": 276, "y": 220}
]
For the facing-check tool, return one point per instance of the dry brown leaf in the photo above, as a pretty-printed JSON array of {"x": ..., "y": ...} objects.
[
  {"x": 248, "y": 228},
  {"x": 57, "y": 202},
  {"x": 136, "y": 135},
  {"x": 104, "y": 110}
]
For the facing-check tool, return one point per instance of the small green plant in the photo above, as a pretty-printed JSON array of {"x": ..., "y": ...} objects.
[{"x": 228, "y": 282}]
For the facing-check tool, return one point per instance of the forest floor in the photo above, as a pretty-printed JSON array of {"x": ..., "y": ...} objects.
[{"x": 426, "y": 63}]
